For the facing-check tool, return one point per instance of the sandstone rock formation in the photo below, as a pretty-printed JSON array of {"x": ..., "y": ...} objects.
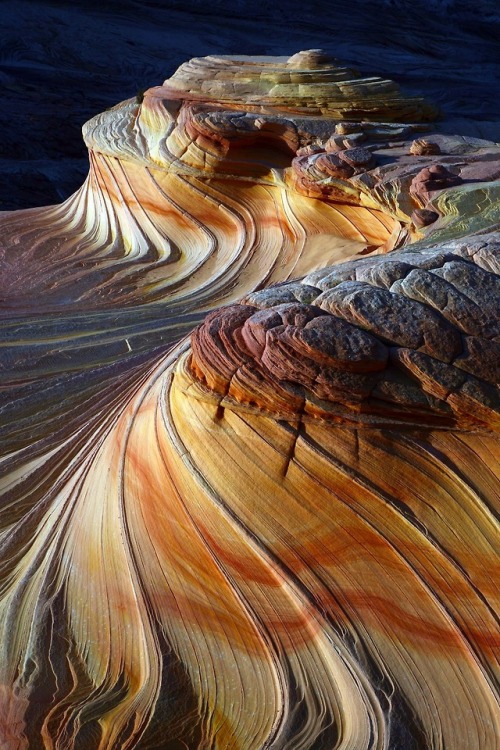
[{"x": 250, "y": 425}]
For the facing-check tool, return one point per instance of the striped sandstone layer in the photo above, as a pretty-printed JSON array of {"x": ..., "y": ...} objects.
[{"x": 280, "y": 532}]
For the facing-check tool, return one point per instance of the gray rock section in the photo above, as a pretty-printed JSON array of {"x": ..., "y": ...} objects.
[{"x": 435, "y": 310}]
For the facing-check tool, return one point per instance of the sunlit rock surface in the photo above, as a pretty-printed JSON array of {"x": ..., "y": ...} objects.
[{"x": 250, "y": 425}]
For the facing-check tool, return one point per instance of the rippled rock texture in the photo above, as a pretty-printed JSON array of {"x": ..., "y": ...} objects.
[{"x": 250, "y": 425}]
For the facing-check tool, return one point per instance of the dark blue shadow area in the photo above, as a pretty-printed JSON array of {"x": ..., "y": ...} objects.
[{"x": 62, "y": 62}]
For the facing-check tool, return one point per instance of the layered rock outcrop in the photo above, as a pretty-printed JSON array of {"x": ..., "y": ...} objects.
[{"x": 250, "y": 425}]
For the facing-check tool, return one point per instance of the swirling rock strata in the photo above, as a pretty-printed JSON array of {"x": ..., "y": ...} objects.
[
  {"x": 187, "y": 197},
  {"x": 281, "y": 537},
  {"x": 214, "y": 184},
  {"x": 280, "y": 533}
]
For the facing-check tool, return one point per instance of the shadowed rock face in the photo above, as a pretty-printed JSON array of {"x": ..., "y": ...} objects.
[{"x": 241, "y": 514}]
